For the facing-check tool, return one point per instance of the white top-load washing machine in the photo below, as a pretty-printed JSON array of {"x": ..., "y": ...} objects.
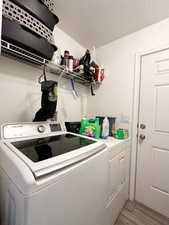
[{"x": 51, "y": 177}]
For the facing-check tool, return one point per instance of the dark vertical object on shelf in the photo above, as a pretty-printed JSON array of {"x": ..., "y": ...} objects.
[
  {"x": 29, "y": 24},
  {"x": 92, "y": 91},
  {"x": 85, "y": 61}
]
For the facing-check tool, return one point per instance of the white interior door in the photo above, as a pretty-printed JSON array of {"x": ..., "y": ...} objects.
[{"x": 152, "y": 182}]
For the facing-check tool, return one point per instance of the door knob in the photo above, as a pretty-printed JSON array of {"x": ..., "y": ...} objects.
[{"x": 142, "y": 137}]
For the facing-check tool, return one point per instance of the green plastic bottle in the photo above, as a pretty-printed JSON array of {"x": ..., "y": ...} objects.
[{"x": 90, "y": 128}]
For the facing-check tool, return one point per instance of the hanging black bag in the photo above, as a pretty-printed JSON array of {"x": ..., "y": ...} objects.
[{"x": 48, "y": 100}]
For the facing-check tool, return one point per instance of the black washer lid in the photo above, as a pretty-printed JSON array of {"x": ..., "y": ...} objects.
[{"x": 40, "y": 149}]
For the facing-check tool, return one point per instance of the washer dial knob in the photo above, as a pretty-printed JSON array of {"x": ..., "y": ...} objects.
[{"x": 41, "y": 129}]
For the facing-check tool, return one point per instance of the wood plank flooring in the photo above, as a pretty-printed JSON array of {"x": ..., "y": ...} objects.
[{"x": 137, "y": 214}]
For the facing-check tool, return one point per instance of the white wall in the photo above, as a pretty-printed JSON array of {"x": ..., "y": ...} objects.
[
  {"x": 20, "y": 93},
  {"x": 65, "y": 42},
  {"x": 115, "y": 95}
]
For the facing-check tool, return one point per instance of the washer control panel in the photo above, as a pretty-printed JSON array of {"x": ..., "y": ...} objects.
[
  {"x": 28, "y": 129},
  {"x": 55, "y": 127}
]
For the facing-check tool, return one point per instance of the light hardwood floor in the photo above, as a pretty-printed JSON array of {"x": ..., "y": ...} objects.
[{"x": 137, "y": 214}]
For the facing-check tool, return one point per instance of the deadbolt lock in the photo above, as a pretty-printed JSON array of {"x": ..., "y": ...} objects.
[{"x": 142, "y": 126}]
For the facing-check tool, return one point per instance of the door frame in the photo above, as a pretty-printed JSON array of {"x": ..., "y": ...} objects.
[{"x": 135, "y": 116}]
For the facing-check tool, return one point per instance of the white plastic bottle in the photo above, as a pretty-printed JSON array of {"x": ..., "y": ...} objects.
[
  {"x": 105, "y": 128},
  {"x": 57, "y": 57}
]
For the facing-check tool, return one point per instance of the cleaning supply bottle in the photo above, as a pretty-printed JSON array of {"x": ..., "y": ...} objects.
[
  {"x": 105, "y": 128},
  {"x": 65, "y": 60},
  {"x": 71, "y": 63},
  {"x": 90, "y": 127}
]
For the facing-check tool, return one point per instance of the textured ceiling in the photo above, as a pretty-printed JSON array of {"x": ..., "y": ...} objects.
[{"x": 98, "y": 22}]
